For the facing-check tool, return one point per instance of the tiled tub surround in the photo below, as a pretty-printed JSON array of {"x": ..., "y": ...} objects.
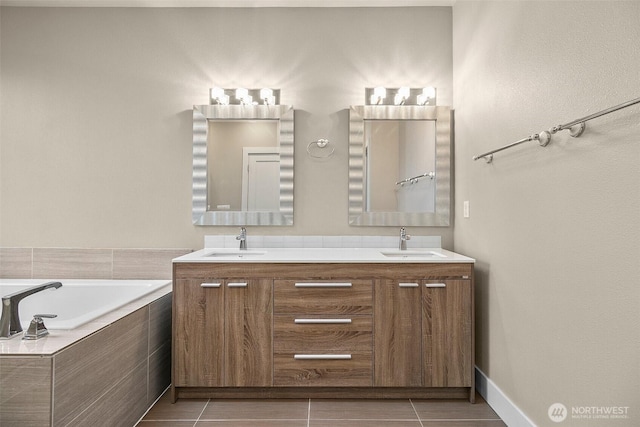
[
  {"x": 108, "y": 371},
  {"x": 82, "y": 263}
]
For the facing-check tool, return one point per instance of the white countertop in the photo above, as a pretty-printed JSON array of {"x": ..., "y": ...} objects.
[{"x": 324, "y": 255}]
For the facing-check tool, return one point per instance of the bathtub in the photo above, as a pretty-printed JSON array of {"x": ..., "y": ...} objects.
[
  {"x": 106, "y": 360},
  {"x": 78, "y": 301}
]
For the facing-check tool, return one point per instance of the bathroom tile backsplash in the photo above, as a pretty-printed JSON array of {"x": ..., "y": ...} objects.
[
  {"x": 144, "y": 263},
  {"x": 77, "y": 263},
  {"x": 256, "y": 241},
  {"x": 118, "y": 264},
  {"x": 72, "y": 263},
  {"x": 16, "y": 263}
]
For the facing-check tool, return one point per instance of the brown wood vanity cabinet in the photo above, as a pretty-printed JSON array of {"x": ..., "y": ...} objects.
[
  {"x": 323, "y": 330},
  {"x": 222, "y": 332},
  {"x": 423, "y": 333}
]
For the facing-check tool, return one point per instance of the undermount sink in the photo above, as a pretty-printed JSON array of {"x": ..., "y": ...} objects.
[
  {"x": 234, "y": 253},
  {"x": 411, "y": 253}
]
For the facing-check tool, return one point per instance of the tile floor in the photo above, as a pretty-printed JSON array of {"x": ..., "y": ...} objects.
[{"x": 320, "y": 413}]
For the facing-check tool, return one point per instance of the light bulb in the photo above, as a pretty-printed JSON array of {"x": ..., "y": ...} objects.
[
  {"x": 241, "y": 93},
  {"x": 429, "y": 92},
  {"x": 217, "y": 92},
  {"x": 266, "y": 93},
  {"x": 402, "y": 95}
]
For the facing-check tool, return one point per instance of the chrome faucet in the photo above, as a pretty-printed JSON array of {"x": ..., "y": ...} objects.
[
  {"x": 243, "y": 239},
  {"x": 403, "y": 239},
  {"x": 10, "y": 320},
  {"x": 37, "y": 329}
]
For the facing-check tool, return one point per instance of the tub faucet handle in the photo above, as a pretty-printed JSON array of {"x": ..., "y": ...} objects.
[
  {"x": 10, "y": 320},
  {"x": 37, "y": 329}
]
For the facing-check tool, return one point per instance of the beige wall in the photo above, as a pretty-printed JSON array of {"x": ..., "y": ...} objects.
[
  {"x": 96, "y": 110},
  {"x": 555, "y": 230}
]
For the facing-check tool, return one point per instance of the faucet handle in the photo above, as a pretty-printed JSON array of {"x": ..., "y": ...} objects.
[
  {"x": 44, "y": 316},
  {"x": 37, "y": 329}
]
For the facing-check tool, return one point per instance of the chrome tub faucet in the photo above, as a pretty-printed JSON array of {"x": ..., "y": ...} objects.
[
  {"x": 243, "y": 239},
  {"x": 10, "y": 320},
  {"x": 403, "y": 239},
  {"x": 37, "y": 329}
]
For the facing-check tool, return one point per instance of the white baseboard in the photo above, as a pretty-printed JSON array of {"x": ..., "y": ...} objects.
[{"x": 499, "y": 402}]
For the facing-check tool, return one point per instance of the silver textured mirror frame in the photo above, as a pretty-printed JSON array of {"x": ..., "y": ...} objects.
[
  {"x": 202, "y": 114},
  {"x": 357, "y": 186}
]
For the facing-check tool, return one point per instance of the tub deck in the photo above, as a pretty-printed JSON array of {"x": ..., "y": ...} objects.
[{"x": 58, "y": 339}]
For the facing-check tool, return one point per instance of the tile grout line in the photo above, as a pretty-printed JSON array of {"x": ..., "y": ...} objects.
[
  {"x": 416, "y": 412},
  {"x": 201, "y": 412},
  {"x": 152, "y": 405}
]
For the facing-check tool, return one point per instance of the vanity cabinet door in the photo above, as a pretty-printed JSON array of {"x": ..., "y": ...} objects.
[
  {"x": 248, "y": 355},
  {"x": 222, "y": 333},
  {"x": 447, "y": 333},
  {"x": 198, "y": 335},
  {"x": 397, "y": 330},
  {"x": 423, "y": 333}
]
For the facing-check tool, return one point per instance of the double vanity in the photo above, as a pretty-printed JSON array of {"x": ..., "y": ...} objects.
[
  {"x": 323, "y": 322},
  {"x": 330, "y": 321}
]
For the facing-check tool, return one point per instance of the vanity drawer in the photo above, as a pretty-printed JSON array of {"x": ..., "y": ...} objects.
[
  {"x": 322, "y": 334},
  {"x": 323, "y": 297},
  {"x": 334, "y": 369}
]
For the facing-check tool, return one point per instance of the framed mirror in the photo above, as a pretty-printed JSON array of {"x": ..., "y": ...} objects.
[
  {"x": 242, "y": 165},
  {"x": 399, "y": 165}
]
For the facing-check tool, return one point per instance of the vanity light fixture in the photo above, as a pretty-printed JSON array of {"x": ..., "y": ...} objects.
[
  {"x": 425, "y": 96},
  {"x": 243, "y": 96}
]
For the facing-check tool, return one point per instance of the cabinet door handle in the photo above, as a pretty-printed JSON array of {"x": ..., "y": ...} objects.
[
  {"x": 321, "y": 321},
  {"x": 322, "y": 285},
  {"x": 408, "y": 285},
  {"x": 436, "y": 285},
  {"x": 237, "y": 285},
  {"x": 322, "y": 356},
  {"x": 210, "y": 285}
]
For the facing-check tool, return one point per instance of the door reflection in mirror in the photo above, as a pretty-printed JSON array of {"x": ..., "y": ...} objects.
[{"x": 243, "y": 161}]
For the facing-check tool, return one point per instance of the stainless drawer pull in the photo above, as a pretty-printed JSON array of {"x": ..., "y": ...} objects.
[
  {"x": 322, "y": 321},
  {"x": 237, "y": 285},
  {"x": 436, "y": 285},
  {"x": 322, "y": 356},
  {"x": 322, "y": 285},
  {"x": 210, "y": 285},
  {"x": 408, "y": 285}
]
